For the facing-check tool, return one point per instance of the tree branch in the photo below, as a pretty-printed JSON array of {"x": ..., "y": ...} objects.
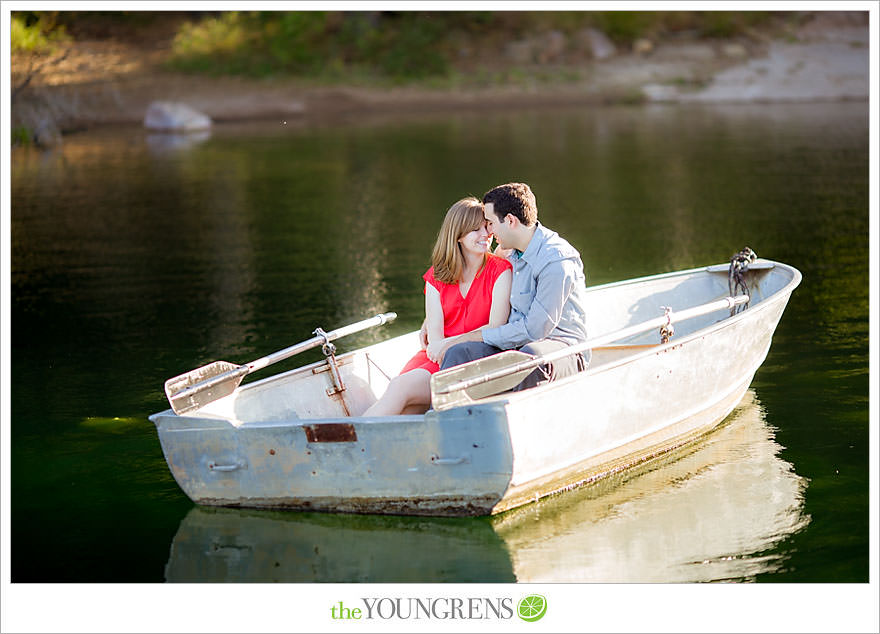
[{"x": 33, "y": 72}]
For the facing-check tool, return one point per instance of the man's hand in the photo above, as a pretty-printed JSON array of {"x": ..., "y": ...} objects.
[{"x": 440, "y": 349}]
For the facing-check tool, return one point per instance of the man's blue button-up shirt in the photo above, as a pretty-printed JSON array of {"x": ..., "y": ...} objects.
[{"x": 548, "y": 295}]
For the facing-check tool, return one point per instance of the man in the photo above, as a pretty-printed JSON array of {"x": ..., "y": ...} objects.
[{"x": 547, "y": 299}]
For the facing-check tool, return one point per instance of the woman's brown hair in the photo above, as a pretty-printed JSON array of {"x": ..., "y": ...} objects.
[{"x": 463, "y": 217}]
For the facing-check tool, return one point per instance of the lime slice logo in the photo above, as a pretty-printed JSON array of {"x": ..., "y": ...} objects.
[{"x": 532, "y": 608}]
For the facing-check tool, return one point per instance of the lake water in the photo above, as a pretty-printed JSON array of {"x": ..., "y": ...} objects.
[{"x": 138, "y": 257}]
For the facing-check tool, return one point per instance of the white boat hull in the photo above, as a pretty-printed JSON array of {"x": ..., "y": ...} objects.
[
  {"x": 644, "y": 528},
  {"x": 271, "y": 444}
]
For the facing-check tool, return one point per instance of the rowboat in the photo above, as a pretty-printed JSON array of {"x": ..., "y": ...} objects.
[
  {"x": 676, "y": 355},
  {"x": 637, "y": 527}
]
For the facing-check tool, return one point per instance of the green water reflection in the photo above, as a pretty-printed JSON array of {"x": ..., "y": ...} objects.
[{"x": 136, "y": 257}]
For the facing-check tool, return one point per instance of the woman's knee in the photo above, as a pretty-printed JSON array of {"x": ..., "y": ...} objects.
[{"x": 414, "y": 385}]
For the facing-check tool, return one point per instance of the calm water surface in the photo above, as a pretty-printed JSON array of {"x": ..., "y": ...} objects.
[{"x": 138, "y": 257}]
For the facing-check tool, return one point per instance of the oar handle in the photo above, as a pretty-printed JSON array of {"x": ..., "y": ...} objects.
[
  {"x": 670, "y": 317},
  {"x": 318, "y": 340}
]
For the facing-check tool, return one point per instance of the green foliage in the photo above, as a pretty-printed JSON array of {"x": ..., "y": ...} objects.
[
  {"x": 211, "y": 43},
  {"x": 22, "y": 135},
  {"x": 626, "y": 26},
  {"x": 35, "y": 32},
  {"x": 295, "y": 39},
  {"x": 729, "y": 23},
  {"x": 313, "y": 43},
  {"x": 412, "y": 50},
  {"x": 403, "y": 45},
  {"x": 258, "y": 43}
]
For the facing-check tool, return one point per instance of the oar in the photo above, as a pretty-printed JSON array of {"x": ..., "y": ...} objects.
[
  {"x": 208, "y": 383},
  {"x": 503, "y": 371}
]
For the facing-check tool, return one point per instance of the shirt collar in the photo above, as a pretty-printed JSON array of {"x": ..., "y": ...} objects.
[{"x": 535, "y": 243}]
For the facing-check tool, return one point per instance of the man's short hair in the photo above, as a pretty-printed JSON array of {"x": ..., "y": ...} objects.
[{"x": 516, "y": 199}]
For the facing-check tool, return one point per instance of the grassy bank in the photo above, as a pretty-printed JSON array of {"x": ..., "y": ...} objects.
[{"x": 402, "y": 46}]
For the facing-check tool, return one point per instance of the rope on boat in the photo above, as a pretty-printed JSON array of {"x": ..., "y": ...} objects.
[
  {"x": 376, "y": 365},
  {"x": 667, "y": 329},
  {"x": 736, "y": 281}
]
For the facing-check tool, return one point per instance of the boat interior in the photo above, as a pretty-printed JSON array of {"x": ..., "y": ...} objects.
[{"x": 346, "y": 384}]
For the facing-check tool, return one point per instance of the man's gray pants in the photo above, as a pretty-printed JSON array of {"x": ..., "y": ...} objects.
[{"x": 473, "y": 350}]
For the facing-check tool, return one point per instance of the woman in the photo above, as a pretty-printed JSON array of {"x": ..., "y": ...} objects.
[{"x": 466, "y": 288}]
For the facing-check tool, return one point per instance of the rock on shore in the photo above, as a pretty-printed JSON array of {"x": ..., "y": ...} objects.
[{"x": 169, "y": 116}]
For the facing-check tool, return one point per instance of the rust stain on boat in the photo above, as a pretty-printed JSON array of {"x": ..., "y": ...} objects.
[{"x": 330, "y": 432}]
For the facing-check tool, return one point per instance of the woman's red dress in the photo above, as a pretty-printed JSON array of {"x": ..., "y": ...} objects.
[{"x": 462, "y": 314}]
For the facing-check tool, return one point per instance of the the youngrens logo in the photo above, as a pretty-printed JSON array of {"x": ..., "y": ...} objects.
[
  {"x": 530, "y": 608},
  {"x": 440, "y": 608}
]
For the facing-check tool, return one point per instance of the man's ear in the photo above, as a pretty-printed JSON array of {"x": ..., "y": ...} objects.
[{"x": 511, "y": 221}]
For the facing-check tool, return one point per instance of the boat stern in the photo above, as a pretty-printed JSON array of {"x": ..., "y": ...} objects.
[
  {"x": 452, "y": 463},
  {"x": 203, "y": 455}
]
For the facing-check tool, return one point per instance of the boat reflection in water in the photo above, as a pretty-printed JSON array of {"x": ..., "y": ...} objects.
[{"x": 715, "y": 511}]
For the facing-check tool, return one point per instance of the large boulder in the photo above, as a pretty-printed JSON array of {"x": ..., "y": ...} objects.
[{"x": 170, "y": 116}]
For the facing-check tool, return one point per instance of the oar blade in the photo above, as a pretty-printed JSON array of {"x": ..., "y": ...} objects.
[
  {"x": 445, "y": 378},
  {"x": 195, "y": 389}
]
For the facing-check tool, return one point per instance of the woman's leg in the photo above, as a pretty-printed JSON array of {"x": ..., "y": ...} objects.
[{"x": 409, "y": 390}]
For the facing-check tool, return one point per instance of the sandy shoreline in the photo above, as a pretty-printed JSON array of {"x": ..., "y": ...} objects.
[{"x": 827, "y": 59}]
